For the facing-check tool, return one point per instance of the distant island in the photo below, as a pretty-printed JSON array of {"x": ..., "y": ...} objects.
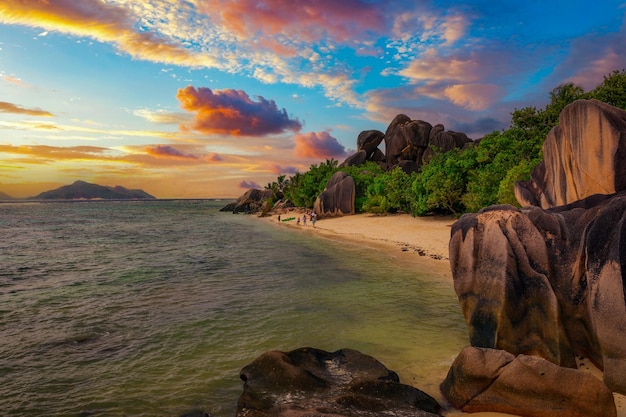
[
  {"x": 4, "y": 196},
  {"x": 81, "y": 190}
]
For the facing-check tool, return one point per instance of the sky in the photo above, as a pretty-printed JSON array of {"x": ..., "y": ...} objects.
[{"x": 208, "y": 98}]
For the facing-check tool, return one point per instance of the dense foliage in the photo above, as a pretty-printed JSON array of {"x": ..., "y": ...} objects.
[{"x": 460, "y": 180}]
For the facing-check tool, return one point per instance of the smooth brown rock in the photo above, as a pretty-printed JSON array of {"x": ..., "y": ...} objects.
[
  {"x": 368, "y": 141},
  {"x": 584, "y": 155},
  {"x": 406, "y": 139},
  {"x": 548, "y": 283},
  {"x": 357, "y": 158},
  {"x": 250, "y": 202},
  {"x": 483, "y": 380},
  {"x": 315, "y": 383},
  {"x": 337, "y": 199}
]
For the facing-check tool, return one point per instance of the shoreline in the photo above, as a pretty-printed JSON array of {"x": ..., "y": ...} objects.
[
  {"x": 420, "y": 241},
  {"x": 415, "y": 241}
]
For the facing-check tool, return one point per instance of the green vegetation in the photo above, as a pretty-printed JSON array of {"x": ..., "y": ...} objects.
[{"x": 458, "y": 181}]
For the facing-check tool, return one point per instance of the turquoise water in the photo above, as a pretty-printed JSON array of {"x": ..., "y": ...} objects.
[{"x": 152, "y": 308}]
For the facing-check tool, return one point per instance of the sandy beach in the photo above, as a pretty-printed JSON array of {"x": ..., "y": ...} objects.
[
  {"x": 401, "y": 236},
  {"x": 421, "y": 241}
]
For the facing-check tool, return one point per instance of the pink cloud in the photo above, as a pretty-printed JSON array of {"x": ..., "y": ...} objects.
[
  {"x": 249, "y": 185},
  {"x": 168, "y": 152},
  {"x": 233, "y": 112},
  {"x": 278, "y": 170},
  {"x": 320, "y": 145},
  {"x": 305, "y": 20}
]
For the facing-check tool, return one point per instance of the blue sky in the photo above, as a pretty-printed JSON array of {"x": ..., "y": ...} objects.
[{"x": 204, "y": 98}]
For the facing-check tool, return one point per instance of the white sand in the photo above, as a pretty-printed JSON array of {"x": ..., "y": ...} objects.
[{"x": 422, "y": 240}]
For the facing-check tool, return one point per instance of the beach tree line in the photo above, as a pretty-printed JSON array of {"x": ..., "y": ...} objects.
[{"x": 457, "y": 181}]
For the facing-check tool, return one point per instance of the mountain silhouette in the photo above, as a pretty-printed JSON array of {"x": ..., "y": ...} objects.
[{"x": 84, "y": 190}]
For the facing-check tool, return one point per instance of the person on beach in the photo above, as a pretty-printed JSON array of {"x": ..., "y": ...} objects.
[
  {"x": 313, "y": 218},
  {"x": 279, "y": 218},
  {"x": 304, "y": 219},
  {"x": 298, "y": 221}
]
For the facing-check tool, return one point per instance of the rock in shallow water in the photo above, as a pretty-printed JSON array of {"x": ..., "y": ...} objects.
[{"x": 315, "y": 383}]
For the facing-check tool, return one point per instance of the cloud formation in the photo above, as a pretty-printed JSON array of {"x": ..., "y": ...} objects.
[
  {"x": 98, "y": 20},
  {"x": 233, "y": 112},
  {"x": 15, "y": 109},
  {"x": 281, "y": 170},
  {"x": 318, "y": 145},
  {"x": 278, "y": 21},
  {"x": 247, "y": 185},
  {"x": 168, "y": 151}
]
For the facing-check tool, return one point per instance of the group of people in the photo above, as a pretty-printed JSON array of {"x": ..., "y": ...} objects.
[{"x": 312, "y": 218}]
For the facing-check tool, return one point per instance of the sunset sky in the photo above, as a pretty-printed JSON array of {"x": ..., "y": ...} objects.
[{"x": 206, "y": 98}]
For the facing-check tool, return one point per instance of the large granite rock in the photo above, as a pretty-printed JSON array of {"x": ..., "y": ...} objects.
[
  {"x": 337, "y": 199},
  {"x": 584, "y": 155},
  {"x": 368, "y": 141},
  {"x": 406, "y": 139},
  {"x": 444, "y": 141},
  {"x": 549, "y": 280},
  {"x": 250, "y": 202},
  {"x": 548, "y": 283},
  {"x": 494, "y": 380},
  {"x": 315, "y": 383},
  {"x": 358, "y": 158}
]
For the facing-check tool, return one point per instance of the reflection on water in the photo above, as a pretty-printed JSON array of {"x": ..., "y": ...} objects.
[{"x": 152, "y": 308}]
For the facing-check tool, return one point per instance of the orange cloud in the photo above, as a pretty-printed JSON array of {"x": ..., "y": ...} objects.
[
  {"x": 45, "y": 154},
  {"x": 473, "y": 96},
  {"x": 304, "y": 20},
  {"x": 319, "y": 145},
  {"x": 433, "y": 67},
  {"x": 13, "y": 108},
  {"x": 233, "y": 112},
  {"x": 98, "y": 20}
]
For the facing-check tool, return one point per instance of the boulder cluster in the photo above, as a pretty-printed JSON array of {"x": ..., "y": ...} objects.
[
  {"x": 547, "y": 281},
  {"x": 409, "y": 144}
]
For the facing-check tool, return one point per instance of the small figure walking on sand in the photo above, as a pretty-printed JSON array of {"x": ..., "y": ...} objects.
[
  {"x": 313, "y": 218},
  {"x": 298, "y": 221},
  {"x": 304, "y": 219}
]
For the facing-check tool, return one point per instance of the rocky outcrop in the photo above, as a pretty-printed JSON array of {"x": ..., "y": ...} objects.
[
  {"x": 408, "y": 144},
  {"x": 495, "y": 380},
  {"x": 547, "y": 283},
  {"x": 368, "y": 141},
  {"x": 444, "y": 141},
  {"x": 584, "y": 155},
  {"x": 250, "y": 202},
  {"x": 316, "y": 383},
  {"x": 549, "y": 280},
  {"x": 358, "y": 158},
  {"x": 406, "y": 139},
  {"x": 337, "y": 199}
]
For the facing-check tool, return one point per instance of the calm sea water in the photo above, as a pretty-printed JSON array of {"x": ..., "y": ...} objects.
[{"x": 152, "y": 308}]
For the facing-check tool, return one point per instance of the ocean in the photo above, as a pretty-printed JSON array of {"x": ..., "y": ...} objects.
[{"x": 151, "y": 308}]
